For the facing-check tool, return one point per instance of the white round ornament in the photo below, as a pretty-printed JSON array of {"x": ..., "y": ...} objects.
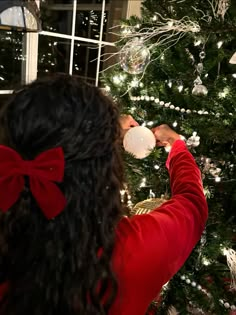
[
  {"x": 134, "y": 56},
  {"x": 139, "y": 141}
]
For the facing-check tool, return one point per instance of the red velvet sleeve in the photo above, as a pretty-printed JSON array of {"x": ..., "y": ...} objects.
[{"x": 154, "y": 246}]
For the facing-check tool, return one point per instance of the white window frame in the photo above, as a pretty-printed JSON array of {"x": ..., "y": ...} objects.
[{"x": 30, "y": 43}]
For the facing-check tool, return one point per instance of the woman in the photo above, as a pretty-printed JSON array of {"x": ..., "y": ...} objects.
[{"x": 65, "y": 247}]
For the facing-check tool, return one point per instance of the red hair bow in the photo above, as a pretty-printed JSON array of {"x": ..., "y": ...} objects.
[{"x": 46, "y": 169}]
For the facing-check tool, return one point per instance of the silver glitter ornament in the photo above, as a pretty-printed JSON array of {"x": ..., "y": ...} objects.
[{"x": 200, "y": 90}]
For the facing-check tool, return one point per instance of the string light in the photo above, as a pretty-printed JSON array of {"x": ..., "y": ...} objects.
[
  {"x": 154, "y": 18},
  {"x": 217, "y": 179},
  {"x": 175, "y": 124},
  {"x": 180, "y": 88},
  {"x": 143, "y": 182},
  {"x": 197, "y": 42},
  {"x": 134, "y": 82},
  {"x": 156, "y": 167},
  {"x": 170, "y": 84},
  {"x": 219, "y": 44},
  {"x": 107, "y": 88}
]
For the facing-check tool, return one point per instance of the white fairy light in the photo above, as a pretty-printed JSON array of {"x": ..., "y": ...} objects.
[
  {"x": 217, "y": 179},
  {"x": 156, "y": 167},
  {"x": 141, "y": 84},
  {"x": 175, "y": 124},
  {"x": 180, "y": 88},
  {"x": 150, "y": 123},
  {"x": 170, "y": 84},
  {"x": 234, "y": 75},
  {"x": 154, "y": 18},
  {"x": 224, "y": 93},
  {"x": 197, "y": 42},
  {"x": 219, "y": 44},
  {"x": 206, "y": 262},
  {"x": 134, "y": 82},
  {"x": 143, "y": 182},
  {"x": 107, "y": 88}
]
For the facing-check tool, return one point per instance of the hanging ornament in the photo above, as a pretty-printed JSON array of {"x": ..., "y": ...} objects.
[
  {"x": 193, "y": 141},
  {"x": 199, "y": 89},
  {"x": 233, "y": 59},
  {"x": 139, "y": 141},
  {"x": 147, "y": 205},
  {"x": 134, "y": 56},
  {"x": 231, "y": 261}
]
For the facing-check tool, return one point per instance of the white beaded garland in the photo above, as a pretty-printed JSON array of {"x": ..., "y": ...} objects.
[
  {"x": 177, "y": 108},
  {"x": 199, "y": 287}
]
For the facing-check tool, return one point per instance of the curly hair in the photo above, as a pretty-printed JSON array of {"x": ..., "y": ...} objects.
[{"x": 63, "y": 266}]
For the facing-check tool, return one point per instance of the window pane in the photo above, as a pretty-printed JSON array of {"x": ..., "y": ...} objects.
[
  {"x": 11, "y": 59},
  {"x": 57, "y": 16},
  {"x": 88, "y": 24},
  {"x": 53, "y": 55},
  {"x": 85, "y": 60}
]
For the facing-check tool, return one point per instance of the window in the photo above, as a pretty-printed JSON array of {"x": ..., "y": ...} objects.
[{"x": 76, "y": 38}]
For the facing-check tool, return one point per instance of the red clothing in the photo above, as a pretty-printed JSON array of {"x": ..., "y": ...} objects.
[{"x": 151, "y": 248}]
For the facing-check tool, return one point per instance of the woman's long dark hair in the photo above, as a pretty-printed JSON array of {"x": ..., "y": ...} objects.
[{"x": 63, "y": 266}]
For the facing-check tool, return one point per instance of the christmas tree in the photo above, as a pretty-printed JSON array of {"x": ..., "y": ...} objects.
[{"x": 177, "y": 65}]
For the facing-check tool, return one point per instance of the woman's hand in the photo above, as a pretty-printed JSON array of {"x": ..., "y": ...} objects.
[
  {"x": 127, "y": 122},
  {"x": 165, "y": 136}
]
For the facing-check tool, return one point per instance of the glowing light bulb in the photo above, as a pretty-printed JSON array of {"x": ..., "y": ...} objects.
[
  {"x": 197, "y": 42},
  {"x": 116, "y": 80},
  {"x": 175, "y": 124},
  {"x": 134, "y": 82},
  {"x": 180, "y": 88},
  {"x": 156, "y": 167},
  {"x": 107, "y": 88},
  {"x": 205, "y": 261},
  {"x": 217, "y": 179},
  {"x": 170, "y": 84},
  {"x": 219, "y": 44}
]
